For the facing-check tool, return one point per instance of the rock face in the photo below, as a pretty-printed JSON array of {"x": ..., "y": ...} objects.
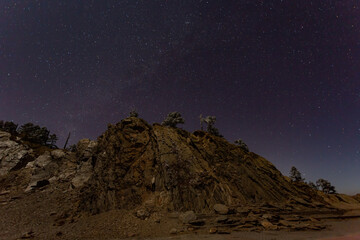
[
  {"x": 44, "y": 166},
  {"x": 12, "y": 154},
  {"x": 135, "y": 161}
]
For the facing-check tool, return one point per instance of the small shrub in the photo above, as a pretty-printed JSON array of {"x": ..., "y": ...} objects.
[
  {"x": 295, "y": 175},
  {"x": 9, "y": 127},
  {"x": 242, "y": 145},
  {"x": 173, "y": 119},
  {"x": 210, "y": 122},
  {"x": 133, "y": 113},
  {"x": 313, "y": 185}
]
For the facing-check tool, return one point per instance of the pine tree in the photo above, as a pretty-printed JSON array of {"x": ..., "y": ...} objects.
[
  {"x": 325, "y": 186},
  {"x": 295, "y": 175},
  {"x": 173, "y": 119}
]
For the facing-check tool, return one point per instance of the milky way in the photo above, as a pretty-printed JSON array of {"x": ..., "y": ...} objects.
[{"x": 281, "y": 75}]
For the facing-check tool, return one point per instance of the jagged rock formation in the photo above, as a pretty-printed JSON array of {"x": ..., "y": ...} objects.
[
  {"x": 136, "y": 163},
  {"x": 12, "y": 154},
  {"x": 32, "y": 166}
]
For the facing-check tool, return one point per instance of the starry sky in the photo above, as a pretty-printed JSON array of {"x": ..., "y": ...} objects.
[{"x": 282, "y": 75}]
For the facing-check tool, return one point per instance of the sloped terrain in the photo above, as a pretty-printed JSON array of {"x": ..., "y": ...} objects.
[
  {"x": 147, "y": 181},
  {"x": 137, "y": 163}
]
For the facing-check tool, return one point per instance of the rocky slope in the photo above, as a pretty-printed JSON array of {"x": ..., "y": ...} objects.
[
  {"x": 144, "y": 180},
  {"x": 136, "y": 163}
]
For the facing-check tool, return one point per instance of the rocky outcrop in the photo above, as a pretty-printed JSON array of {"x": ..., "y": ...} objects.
[
  {"x": 134, "y": 162},
  {"x": 42, "y": 165},
  {"x": 12, "y": 154}
]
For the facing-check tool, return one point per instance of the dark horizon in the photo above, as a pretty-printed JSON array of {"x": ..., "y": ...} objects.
[{"x": 282, "y": 76}]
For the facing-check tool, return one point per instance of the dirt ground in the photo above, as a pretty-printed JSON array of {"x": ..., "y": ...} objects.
[{"x": 338, "y": 230}]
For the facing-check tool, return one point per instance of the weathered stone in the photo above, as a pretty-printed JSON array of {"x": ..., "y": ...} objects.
[
  {"x": 57, "y": 154},
  {"x": 42, "y": 160},
  {"x": 142, "y": 214},
  {"x": 173, "y": 231},
  {"x": 83, "y": 174},
  {"x": 85, "y": 149},
  {"x": 212, "y": 230},
  {"x": 27, "y": 235},
  {"x": 12, "y": 154},
  {"x": 187, "y": 217},
  {"x": 285, "y": 223},
  {"x": 242, "y": 210},
  {"x": 221, "y": 209},
  {"x": 268, "y": 225},
  {"x": 267, "y": 216},
  {"x": 221, "y": 219},
  {"x": 313, "y": 219}
]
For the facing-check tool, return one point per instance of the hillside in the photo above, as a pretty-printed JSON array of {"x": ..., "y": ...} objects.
[{"x": 147, "y": 180}]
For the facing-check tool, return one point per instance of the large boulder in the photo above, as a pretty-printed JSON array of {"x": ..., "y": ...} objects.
[{"x": 221, "y": 209}]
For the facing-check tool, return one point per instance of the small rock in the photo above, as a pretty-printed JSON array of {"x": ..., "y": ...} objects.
[
  {"x": 268, "y": 225},
  {"x": 212, "y": 230},
  {"x": 57, "y": 154},
  {"x": 173, "y": 231},
  {"x": 267, "y": 216},
  {"x": 28, "y": 235},
  {"x": 221, "y": 209},
  {"x": 187, "y": 217},
  {"x": 142, "y": 214},
  {"x": 284, "y": 223},
  {"x": 221, "y": 219},
  {"x": 4, "y": 193},
  {"x": 131, "y": 234},
  {"x": 242, "y": 210},
  {"x": 313, "y": 219}
]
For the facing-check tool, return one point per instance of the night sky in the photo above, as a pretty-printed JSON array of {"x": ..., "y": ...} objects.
[{"x": 284, "y": 76}]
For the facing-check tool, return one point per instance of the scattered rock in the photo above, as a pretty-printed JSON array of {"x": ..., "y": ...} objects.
[
  {"x": 142, "y": 214},
  {"x": 267, "y": 216},
  {"x": 12, "y": 154},
  {"x": 83, "y": 174},
  {"x": 242, "y": 210},
  {"x": 57, "y": 154},
  {"x": 173, "y": 231},
  {"x": 268, "y": 225},
  {"x": 131, "y": 234},
  {"x": 285, "y": 223},
  {"x": 28, "y": 235},
  {"x": 187, "y": 217},
  {"x": 85, "y": 149},
  {"x": 313, "y": 219},
  {"x": 212, "y": 230},
  {"x": 221, "y": 209},
  {"x": 221, "y": 219},
  {"x": 4, "y": 193}
]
